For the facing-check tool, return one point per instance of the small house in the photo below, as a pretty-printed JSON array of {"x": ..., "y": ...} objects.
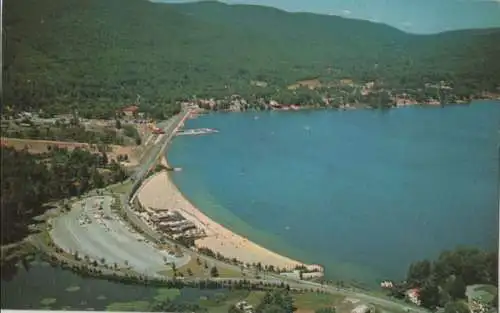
[
  {"x": 130, "y": 111},
  {"x": 413, "y": 295},
  {"x": 363, "y": 308}
]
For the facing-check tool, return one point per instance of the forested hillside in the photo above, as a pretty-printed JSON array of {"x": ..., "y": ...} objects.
[
  {"x": 29, "y": 181},
  {"x": 443, "y": 282},
  {"x": 97, "y": 54}
]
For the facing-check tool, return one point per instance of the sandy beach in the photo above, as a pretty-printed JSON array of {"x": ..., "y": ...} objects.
[{"x": 160, "y": 193}]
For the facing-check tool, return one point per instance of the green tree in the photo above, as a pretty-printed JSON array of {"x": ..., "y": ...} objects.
[
  {"x": 214, "y": 272},
  {"x": 29, "y": 181},
  {"x": 398, "y": 291},
  {"x": 456, "y": 307},
  {"x": 418, "y": 273},
  {"x": 276, "y": 301},
  {"x": 494, "y": 302},
  {"x": 429, "y": 295},
  {"x": 457, "y": 288},
  {"x": 444, "y": 297},
  {"x": 274, "y": 308},
  {"x": 233, "y": 309},
  {"x": 326, "y": 310},
  {"x": 174, "y": 269}
]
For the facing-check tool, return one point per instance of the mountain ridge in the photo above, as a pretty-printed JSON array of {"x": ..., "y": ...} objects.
[
  {"x": 200, "y": 8},
  {"x": 96, "y": 54}
]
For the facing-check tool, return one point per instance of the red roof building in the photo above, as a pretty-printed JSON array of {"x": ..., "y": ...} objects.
[
  {"x": 131, "y": 109},
  {"x": 414, "y": 295}
]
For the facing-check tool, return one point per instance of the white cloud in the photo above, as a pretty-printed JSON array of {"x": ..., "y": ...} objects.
[{"x": 346, "y": 12}]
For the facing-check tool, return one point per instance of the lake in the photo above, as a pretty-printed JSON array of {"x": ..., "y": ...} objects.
[{"x": 363, "y": 192}]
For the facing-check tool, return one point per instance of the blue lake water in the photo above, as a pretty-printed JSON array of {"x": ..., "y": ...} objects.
[{"x": 363, "y": 193}]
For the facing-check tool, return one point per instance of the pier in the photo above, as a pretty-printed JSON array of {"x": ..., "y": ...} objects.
[{"x": 198, "y": 131}]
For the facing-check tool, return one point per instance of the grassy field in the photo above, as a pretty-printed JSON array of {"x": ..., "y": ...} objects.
[
  {"x": 199, "y": 270},
  {"x": 484, "y": 292},
  {"x": 37, "y": 146},
  {"x": 121, "y": 188},
  {"x": 314, "y": 301},
  {"x": 218, "y": 302},
  {"x": 133, "y": 306},
  {"x": 163, "y": 294},
  {"x": 254, "y": 297},
  {"x": 487, "y": 288},
  {"x": 167, "y": 293},
  {"x": 227, "y": 272},
  {"x": 222, "y": 302}
]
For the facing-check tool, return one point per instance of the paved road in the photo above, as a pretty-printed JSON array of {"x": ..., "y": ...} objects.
[
  {"x": 275, "y": 278},
  {"x": 168, "y": 126},
  {"x": 109, "y": 238}
]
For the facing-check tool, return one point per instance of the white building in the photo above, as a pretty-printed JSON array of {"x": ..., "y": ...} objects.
[{"x": 363, "y": 308}]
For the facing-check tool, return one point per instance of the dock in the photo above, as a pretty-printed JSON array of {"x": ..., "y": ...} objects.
[{"x": 198, "y": 131}]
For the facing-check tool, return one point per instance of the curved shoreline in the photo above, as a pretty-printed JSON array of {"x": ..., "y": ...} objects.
[{"x": 160, "y": 193}]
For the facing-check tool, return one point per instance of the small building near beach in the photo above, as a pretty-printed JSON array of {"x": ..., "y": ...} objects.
[
  {"x": 363, "y": 308},
  {"x": 315, "y": 268},
  {"x": 387, "y": 284},
  {"x": 414, "y": 295},
  {"x": 245, "y": 307}
]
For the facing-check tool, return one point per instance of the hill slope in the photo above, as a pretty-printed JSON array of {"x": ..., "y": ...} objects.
[{"x": 102, "y": 53}]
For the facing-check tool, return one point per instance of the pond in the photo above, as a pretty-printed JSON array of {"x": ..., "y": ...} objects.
[{"x": 39, "y": 285}]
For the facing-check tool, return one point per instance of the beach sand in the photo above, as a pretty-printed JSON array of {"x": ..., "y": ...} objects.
[{"x": 160, "y": 193}]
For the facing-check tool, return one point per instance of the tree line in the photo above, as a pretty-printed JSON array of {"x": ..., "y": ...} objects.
[
  {"x": 30, "y": 181},
  {"x": 68, "y": 132},
  {"x": 443, "y": 282}
]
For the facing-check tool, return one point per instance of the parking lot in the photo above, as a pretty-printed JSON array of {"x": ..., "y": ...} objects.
[{"x": 91, "y": 228}]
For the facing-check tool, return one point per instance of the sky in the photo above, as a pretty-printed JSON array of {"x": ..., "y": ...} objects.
[{"x": 414, "y": 16}]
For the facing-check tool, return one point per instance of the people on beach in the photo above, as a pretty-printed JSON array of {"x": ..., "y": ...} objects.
[{"x": 160, "y": 193}]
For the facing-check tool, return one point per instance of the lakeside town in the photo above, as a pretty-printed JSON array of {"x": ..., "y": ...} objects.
[{"x": 343, "y": 94}]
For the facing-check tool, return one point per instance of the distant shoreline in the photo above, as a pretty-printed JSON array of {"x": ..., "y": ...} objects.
[
  {"x": 197, "y": 110},
  {"x": 202, "y": 106}
]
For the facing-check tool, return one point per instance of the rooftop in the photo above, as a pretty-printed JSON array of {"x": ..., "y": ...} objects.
[{"x": 132, "y": 108}]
